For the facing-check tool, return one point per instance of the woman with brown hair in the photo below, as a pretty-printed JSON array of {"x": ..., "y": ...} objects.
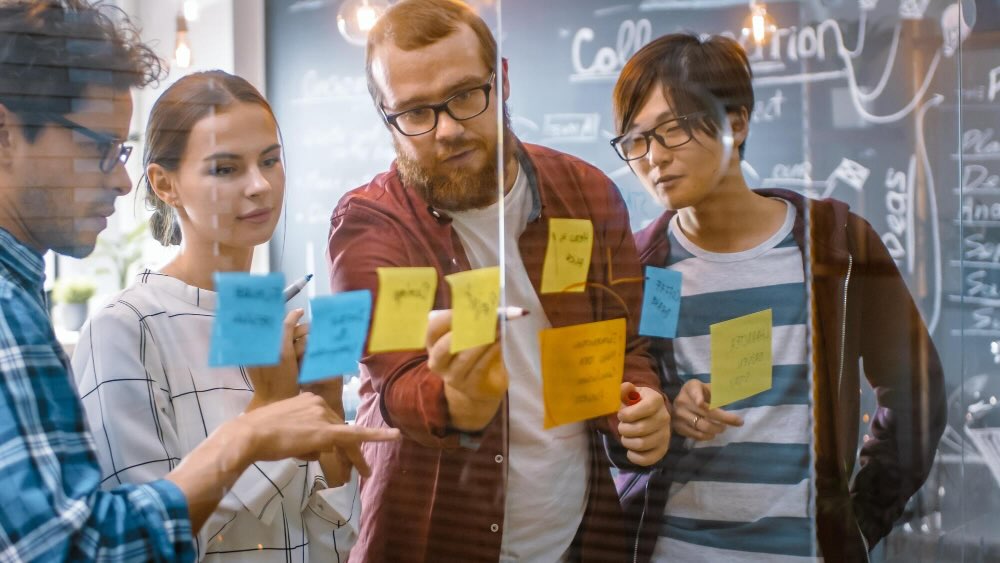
[{"x": 215, "y": 179}]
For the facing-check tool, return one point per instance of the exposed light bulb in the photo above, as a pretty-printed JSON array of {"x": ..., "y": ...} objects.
[
  {"x": 356, "y": 18},
  {"x": 191, "y": 10},
  {"x": 182, "y": 49},
  {"x": 183, "y": 55},
  {"x": 759, "y": 25},
  {"x": 366, "y": 18}
]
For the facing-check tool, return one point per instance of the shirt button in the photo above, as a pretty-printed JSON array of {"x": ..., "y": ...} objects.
[
  {"x": 494, "y": 527},
  {"x": 498, "y": 458}
]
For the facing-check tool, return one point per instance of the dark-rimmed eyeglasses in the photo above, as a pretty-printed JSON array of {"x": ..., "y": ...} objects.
[
  {"x": 113, "y": 151},
  {"x": 671, "y": 134},
  {"x": 462, "y": 106}
]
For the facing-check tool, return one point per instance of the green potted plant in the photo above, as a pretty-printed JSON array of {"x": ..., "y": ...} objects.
[
  {"x": 72, "y": 295},
  {"x": 121, "y": 252}
]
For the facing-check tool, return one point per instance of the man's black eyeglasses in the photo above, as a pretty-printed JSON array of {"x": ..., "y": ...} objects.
[
  {"x": 462, "y": 106},
  {"x": 113, "y": 151},
  {"x": 671, "y": 134}
]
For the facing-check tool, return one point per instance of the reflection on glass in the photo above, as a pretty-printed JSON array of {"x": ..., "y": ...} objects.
[{"x": 794, "y": 238}]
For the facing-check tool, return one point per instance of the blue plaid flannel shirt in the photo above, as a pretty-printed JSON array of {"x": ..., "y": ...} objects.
[{"x": 51, "y": 505}]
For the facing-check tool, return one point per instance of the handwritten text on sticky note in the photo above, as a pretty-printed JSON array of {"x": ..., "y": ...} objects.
[
  {"x": 475, "y": 295},
  {"x": 567, "y": 256},
  {"x": 661, "y": 303},
  {"x": 337, "y": 335},
  {"x": 582, "y": 367},
  {"x": 249, "y": 319},
  {"x": 741, "y": 358},
  {"x": 405, "y": 297}
]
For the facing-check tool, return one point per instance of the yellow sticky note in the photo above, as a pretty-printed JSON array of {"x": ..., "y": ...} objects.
[
  {"x": 475, "y": 295},
  {"x": 582, "y": 367},
  {"x": 567, "y": 257},
  {"x": 741, "y": 358},
  {"x": 405, "y": 297}
]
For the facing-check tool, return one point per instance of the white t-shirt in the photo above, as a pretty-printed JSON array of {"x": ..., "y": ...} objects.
[{"x": 547, "y": 470}]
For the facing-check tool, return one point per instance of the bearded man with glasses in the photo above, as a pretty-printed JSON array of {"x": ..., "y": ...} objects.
[{"x": 477, "y": 477}]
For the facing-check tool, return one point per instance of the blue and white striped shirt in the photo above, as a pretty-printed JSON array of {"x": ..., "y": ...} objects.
[
  {"x": 745, "y": 495},
  {"x": 51, "y": 505}
]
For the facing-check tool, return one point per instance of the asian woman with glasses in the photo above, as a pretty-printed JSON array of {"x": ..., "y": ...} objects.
[{"x": 769, "y": 476}]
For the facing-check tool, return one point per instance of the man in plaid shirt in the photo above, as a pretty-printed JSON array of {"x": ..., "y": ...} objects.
[{"x": 66, "y": 68}]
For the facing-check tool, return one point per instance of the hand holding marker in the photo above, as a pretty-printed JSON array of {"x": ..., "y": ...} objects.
[
  {"x": 294, "y": 289},
  {"x": 300, "y": 330}
]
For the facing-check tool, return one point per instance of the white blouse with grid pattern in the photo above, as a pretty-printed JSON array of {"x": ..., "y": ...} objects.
[{"x": 142, "y": 371}]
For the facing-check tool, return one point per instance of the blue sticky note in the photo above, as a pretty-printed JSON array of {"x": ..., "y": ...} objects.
[
  {"x": 337, "y": 335},
  {"x": 249, "y": 320},
  {"x": 661, "y": 303}
]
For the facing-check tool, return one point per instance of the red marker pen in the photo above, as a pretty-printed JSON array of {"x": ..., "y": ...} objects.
[{"x": 632, "y": 398}]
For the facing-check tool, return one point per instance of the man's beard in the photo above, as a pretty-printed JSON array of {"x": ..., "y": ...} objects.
[{"x": 461, "y": 189}]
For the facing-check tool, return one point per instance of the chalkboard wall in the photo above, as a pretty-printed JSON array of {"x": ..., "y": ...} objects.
[{"x": 886, "y": 104}]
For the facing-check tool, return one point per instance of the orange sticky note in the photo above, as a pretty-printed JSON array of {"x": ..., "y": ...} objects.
[
  {"x": 582, "y": 367},
  {"x": 475, "y": 295},
  {"x": 405, "y": 297},
  {"x": 567, "y": 256},
  {"x": 741, "y": 358}
]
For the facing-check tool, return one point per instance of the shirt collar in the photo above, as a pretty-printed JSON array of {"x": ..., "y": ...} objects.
[{"x": 22, "y": 261}]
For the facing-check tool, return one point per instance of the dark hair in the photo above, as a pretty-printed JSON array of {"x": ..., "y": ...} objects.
[
  {"x": 51, "y": 51},
  {"x": 413, "y": 24},
  {"x": 177, "y": 111},
  {"x": 695, "y": 75}
]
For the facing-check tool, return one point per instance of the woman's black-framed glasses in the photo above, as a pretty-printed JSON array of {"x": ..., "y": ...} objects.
[
  {"x": 462, "y": 106},
  {"x": 113, "y": 151},
  {"x": 671, "y": 134}
]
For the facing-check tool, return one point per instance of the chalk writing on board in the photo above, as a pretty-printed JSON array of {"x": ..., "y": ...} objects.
[
  {"x": 994, "y": 84},
  {"x": 913, "y": 9},
  {"x": 787, "y": 45},
  {"x": 979, "y": 182},
  {"x": 979, "y": 285},
  {"x": 979, "y": 144},
  {"x": 315, "y": 213},
  {"x": 606, "y": 62},
  {"x": 571, "y": 127},
  {"x": 799, "y": 175},
  {"x": 979, "y": 252},
  {"x": 899, "y": 186},
  {"x": 979, "y": 214},
  {"x": 985, "y": 321},
  {"x": 765, "y": 111},
  {"x": 340, "y": 142},
  {"x": 977, "y": 178},
  {"x": 323, "y": 89}
]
